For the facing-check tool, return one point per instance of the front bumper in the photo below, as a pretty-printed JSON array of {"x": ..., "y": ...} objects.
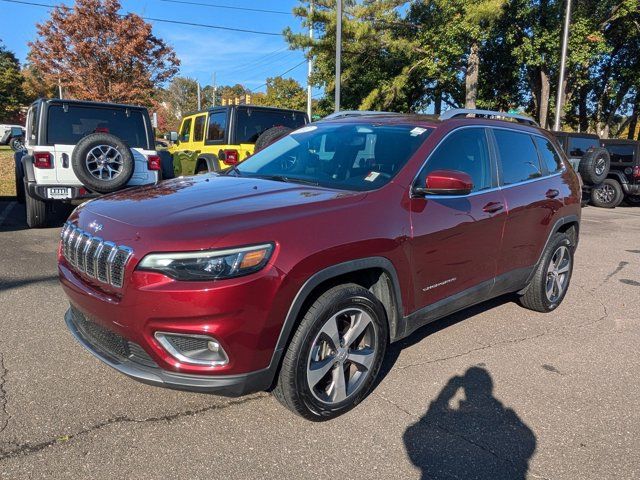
[{"x": 131, "y": 360}]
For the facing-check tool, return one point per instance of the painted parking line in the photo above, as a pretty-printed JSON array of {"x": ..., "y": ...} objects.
[{"x": 6, "y": 211}]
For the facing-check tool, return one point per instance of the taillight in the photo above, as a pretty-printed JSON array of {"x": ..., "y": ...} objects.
[
  {"x": 153, "y": 162},
  {"x": 231, "y": 157},
  {"x": 636, "y": 171},
  {"x": 42, "y": 160}
]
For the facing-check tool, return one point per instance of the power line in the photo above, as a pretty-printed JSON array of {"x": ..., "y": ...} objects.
[
  {"x": 212, "y": 5},
  {"x": 279, "y": 75},
  {"x": 161, "y": 20}
]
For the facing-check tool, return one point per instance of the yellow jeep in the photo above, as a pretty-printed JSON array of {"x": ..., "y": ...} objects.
[{"x": 215, "y": 139}]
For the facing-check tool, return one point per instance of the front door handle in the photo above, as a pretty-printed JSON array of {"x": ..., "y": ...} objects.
[
  {"x": 553, "y": 193},
  {"x": 493, "y": 207}
]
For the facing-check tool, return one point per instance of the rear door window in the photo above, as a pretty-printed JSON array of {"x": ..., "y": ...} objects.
[
  {"x": 519, "y": 160},
  {"x": 579, "y": 146},
  {"x": 621, "y": 153},
  {"x": 198, "y": 128},
  {"x": 549, "y": 155},
  {"x": 216, "y": 126},
  {"x": 68, "y": 126},
  {"x": 252, "y": 122}
]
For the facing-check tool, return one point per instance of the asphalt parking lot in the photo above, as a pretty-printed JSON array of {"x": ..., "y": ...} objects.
[{"x": 493, "y": 392}]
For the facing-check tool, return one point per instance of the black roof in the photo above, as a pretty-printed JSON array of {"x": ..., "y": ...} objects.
[
  {"x": 621, "y": 141},
  {"x": 576, "y": 135},
  {"x": 258, "y": 107},
  {"x": 56, "y": 101}
]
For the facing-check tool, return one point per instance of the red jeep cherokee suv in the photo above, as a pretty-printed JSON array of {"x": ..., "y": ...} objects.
[{"x": 296, "y": 269}]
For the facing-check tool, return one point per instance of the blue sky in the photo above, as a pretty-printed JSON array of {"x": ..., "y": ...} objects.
[{"x": 236, "y": 57}]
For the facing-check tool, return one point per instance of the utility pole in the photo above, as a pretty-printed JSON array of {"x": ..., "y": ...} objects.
[
  {"x": 199, "y": 99},
  {"x": 563, "y": 64},
  {"x": 213, "y": 100},
  {"x": 338, "y": 52},
  {"x": 60, "y": 89},
  {"x": 310, "y": 65}
]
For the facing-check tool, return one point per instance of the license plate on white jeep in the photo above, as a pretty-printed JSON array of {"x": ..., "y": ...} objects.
[{"x": 58, "y": 193}]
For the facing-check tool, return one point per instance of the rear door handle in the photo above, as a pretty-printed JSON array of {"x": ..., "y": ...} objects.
[
  {"x": 552, "y": 193},
  {"x": 493, "y": 207}
]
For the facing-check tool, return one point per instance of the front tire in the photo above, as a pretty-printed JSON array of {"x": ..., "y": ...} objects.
[
  {"x": 36, "y": 211},
  {"x": 609, "y": 194},
  {"x": 553, "y": 275},
  {"x": 335, "y": 355}
]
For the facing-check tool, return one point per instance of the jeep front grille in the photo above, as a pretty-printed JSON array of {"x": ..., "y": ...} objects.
[{"x": 104, "y": 261}]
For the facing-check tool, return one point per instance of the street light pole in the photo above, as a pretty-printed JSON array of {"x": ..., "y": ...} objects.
[
  {"x": 563, "y": 64},
  {"x": 310, "y": 65},
  {"x": 338, "y": 52}
]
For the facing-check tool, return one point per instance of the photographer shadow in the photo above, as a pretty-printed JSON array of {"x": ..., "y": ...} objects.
[{"x": 473, "y": 438}]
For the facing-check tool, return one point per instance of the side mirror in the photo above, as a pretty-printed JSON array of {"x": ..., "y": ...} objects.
[
  {"x": 445, "y": 182},
  {"x": 172, "y": 136},
  {"x": 17, "y": 132}
]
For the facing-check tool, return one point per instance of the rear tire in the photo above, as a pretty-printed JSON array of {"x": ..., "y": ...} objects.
[
  {"x": 553, "y": 275},
  {"x": 335, "y": 355},
  {"x": 36, "y": 211},
  {"x": 607, "y": 195},
  {"x": 632, "y": 200}
]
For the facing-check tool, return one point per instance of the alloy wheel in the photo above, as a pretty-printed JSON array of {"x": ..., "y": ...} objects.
[
  {"x": 606, "y": 193},
  {"x": 558, "y": 273},
  {"x": 104, "y": 162},
  {"x": 600, "y": 166},
  {"x": 342, "y": 355}
]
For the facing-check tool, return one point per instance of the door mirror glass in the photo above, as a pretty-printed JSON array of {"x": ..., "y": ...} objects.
[
  {"x": 172, "y": 136},
  {"x": 446, "y": 182},
  {"x": 17, "y": 132}
]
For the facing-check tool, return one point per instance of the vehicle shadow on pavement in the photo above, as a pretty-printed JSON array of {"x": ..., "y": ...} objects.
[
  {"x": 470, "y": 436},
  {"x": 14, "y": 218}
]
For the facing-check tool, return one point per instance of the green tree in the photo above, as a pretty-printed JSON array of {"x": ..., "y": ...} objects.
[
  {"x": 283, "y": 93},
  {"x": 11, "y": 92}
]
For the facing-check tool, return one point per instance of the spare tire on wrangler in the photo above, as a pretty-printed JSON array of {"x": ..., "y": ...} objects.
[
  {"x": 270, "y": 135},
  {"x": 594, "y": 166},
  {"x": 102, "y": 162}
]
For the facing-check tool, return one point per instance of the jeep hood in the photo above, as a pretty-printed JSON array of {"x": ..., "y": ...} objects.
[{"x": 206, "y": 207}]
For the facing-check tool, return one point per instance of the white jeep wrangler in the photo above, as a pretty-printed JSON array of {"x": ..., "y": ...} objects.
[{"x": 76, "y": 150}]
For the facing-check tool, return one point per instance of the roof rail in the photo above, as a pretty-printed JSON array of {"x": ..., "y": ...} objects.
[
  {"x": 355, "y": 113},
  {"x": 465, "y": 112}
]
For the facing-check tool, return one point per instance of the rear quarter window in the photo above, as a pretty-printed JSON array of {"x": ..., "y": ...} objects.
[
  {"x": 550, "y": 157},
  {"x": 251, "y": 122},
  {"x": 579, "y": 146},
  {"x": 70, "y": 126},
  {"x": 621, "y": 153}
]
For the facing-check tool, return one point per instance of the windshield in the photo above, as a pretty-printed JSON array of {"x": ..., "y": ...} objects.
[
  {"x": 68, "y": 126},
  {"x": 362, "y": 156}
]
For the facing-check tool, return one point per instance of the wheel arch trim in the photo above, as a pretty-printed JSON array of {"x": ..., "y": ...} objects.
[{"x": 326, "y": 274}]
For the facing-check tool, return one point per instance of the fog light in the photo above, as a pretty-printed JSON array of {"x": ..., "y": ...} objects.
[{"x": 193, "y": 349}]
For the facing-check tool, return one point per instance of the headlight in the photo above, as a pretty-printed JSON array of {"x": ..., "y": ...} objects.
[{"x": 209, "y": 264}]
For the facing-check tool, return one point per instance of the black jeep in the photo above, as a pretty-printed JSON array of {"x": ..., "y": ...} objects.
[
  {"x": 588, "y": 158},
  {"x": 623, "y": 180}
]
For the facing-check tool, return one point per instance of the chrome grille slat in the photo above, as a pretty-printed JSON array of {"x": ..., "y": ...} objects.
[{"x": 93, "y": 256}]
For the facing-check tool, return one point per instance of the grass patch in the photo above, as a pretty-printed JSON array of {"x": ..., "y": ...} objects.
[{"x": 7, "y": 173}]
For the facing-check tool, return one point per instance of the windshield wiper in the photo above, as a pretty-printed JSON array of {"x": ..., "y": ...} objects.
[
  {"x": 234, "y": 169},
  {"x": 284, "y": 178}
]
